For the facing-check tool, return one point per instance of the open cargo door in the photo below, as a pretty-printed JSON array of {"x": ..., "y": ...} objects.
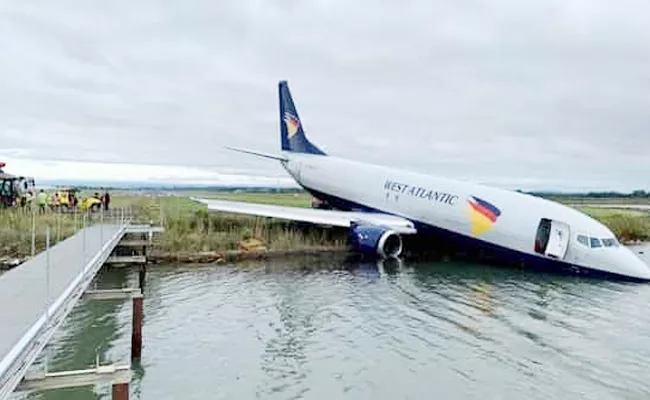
[{"x": 552, "y": 238}]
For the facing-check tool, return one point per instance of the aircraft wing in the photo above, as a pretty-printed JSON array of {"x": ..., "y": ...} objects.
[{"x": 315, "y": 216}]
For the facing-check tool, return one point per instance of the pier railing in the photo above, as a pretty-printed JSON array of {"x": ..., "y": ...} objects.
[{"x": 79, "y": 219}]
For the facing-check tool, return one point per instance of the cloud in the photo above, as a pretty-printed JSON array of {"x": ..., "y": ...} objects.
[
  {"x": 54, "y": 170},
  {"x": 552, "y": 94}
]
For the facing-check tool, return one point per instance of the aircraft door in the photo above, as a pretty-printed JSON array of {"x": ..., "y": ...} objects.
[
  {"x": 552, "y": 238},
  {"x": 558, "y": 242}
]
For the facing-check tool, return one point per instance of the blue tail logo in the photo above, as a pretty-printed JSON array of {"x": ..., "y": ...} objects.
[{"x": 292, "y": 134}]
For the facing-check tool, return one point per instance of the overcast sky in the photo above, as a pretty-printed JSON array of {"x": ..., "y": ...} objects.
[{"x": 552, "y": 94}]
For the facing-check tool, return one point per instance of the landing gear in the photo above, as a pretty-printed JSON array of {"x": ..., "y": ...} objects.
[{"x": 320, "y": 204}]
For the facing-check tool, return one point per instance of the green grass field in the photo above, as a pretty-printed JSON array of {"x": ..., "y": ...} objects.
[
  {"x": 627, "y": 225},
  {"x": 600, "y": 213},
  {"x": 302, "y": 199},
  {"x": 190, "y": 228},
  {"x": 601, "y": 200}
]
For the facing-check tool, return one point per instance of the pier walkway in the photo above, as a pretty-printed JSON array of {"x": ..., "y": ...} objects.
[{"x": 37, "y": 295}]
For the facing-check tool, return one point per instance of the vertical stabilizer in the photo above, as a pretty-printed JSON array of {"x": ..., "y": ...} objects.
[{"x": 292, "y": 134}]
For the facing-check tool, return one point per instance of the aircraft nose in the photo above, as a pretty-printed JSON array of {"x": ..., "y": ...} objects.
[{"x": 634, "y": 266}]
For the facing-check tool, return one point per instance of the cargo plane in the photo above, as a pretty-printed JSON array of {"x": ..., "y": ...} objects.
[{"x": 380, "y": 206}]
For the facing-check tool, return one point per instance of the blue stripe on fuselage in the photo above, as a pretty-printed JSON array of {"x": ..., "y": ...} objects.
[{"x": 501, "y": 253}]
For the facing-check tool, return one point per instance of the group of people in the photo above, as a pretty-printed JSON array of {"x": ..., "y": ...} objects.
[{"x": 57, "y": 200}]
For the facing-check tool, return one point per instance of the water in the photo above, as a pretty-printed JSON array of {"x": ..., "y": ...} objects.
[{"x": 330, "y": 330}]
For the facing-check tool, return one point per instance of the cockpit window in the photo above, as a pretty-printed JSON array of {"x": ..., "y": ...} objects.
[
  {"x": 583, "y": 240},
  {"x": 596, "y": 242},
  {"x": 610, "y": 242}
]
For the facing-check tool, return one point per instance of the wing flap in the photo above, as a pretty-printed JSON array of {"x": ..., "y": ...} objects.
[{"x": 321, "y": 217}]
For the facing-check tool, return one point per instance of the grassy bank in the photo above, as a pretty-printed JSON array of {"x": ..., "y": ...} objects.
[
  {"x": 16, "y": 231},
  {"x": 189, "y": 228}
]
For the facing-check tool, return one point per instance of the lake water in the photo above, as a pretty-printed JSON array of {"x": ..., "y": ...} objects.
[{"x": 330, "y": 330}]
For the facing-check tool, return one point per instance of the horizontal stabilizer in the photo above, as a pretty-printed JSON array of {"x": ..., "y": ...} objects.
[
  {"x": 315, "y": 216},
  {"x": 259, "y": 153}
]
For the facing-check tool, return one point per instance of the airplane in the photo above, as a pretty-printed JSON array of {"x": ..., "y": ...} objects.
[{"x": 381, "y": 205}]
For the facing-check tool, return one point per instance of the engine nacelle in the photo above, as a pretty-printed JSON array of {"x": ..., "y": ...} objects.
[{"x": 370, "y": 239}]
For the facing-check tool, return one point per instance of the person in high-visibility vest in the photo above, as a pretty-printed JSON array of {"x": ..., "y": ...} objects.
[{"x": 41, "y": 199}]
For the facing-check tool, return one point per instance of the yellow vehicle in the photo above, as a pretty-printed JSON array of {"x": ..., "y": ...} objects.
[
  {"x": 69, "y": 199},
  {"x": 90, "y": 203},
  {"x": 64, "y": 198}
]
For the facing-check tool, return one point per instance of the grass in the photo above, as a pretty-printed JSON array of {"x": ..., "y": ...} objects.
[
  {"x": 600, "y": 213},
  {"x": 190, "y": 228},
  {"x": 16, "y": 231},
  {"x": 627, "y": 225},
  {"x": 600, "y": 200}
]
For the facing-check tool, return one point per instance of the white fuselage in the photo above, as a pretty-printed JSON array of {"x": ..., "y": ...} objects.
[{"x": 445, "y": 203}]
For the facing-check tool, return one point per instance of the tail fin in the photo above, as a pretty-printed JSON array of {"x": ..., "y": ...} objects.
[{"x": 291, "y": 131}]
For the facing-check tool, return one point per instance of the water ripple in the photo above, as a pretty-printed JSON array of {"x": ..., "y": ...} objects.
[{"x": 450, "y": 330}]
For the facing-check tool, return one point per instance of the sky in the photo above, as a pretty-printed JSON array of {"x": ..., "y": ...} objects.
[{"x": 535, "y": 95}]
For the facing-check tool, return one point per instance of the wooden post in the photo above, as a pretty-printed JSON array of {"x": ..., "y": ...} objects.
[
  {"x": 144, "y": 247},
  {"x": 136, "y": 329},
  {"x": 142, "y": 276},
  {"x": 120, "y": 391}
]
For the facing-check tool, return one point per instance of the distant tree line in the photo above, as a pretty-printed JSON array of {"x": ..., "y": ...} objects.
[
  {"x": 187, "y": 188},
  {"x": 611, "y": 194}
]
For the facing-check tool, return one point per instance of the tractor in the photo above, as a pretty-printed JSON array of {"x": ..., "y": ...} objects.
[
  {"x": 90, "y": 203},
  {"x": 14, "y": 189}
]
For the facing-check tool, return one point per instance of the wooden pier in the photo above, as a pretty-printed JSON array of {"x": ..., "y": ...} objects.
[{"x": 43, "y": 291}]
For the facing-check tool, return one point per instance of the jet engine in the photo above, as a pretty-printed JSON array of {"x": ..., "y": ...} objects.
[{"x": 372, "y": 239}]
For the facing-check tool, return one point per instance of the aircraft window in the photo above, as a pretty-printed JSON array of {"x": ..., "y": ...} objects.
[
  {"x": 610, "y": 242},
  {"x": 583, "y": 240},
  {"x": 595, "y": 242}
]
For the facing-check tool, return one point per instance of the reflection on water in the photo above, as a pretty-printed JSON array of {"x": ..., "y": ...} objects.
[{"x": 351, "y": 329}]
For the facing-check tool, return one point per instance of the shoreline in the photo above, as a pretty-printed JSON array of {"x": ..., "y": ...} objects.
[
  {"x": 157, "y": 257},
  {"x": 234, "y": 256}
]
